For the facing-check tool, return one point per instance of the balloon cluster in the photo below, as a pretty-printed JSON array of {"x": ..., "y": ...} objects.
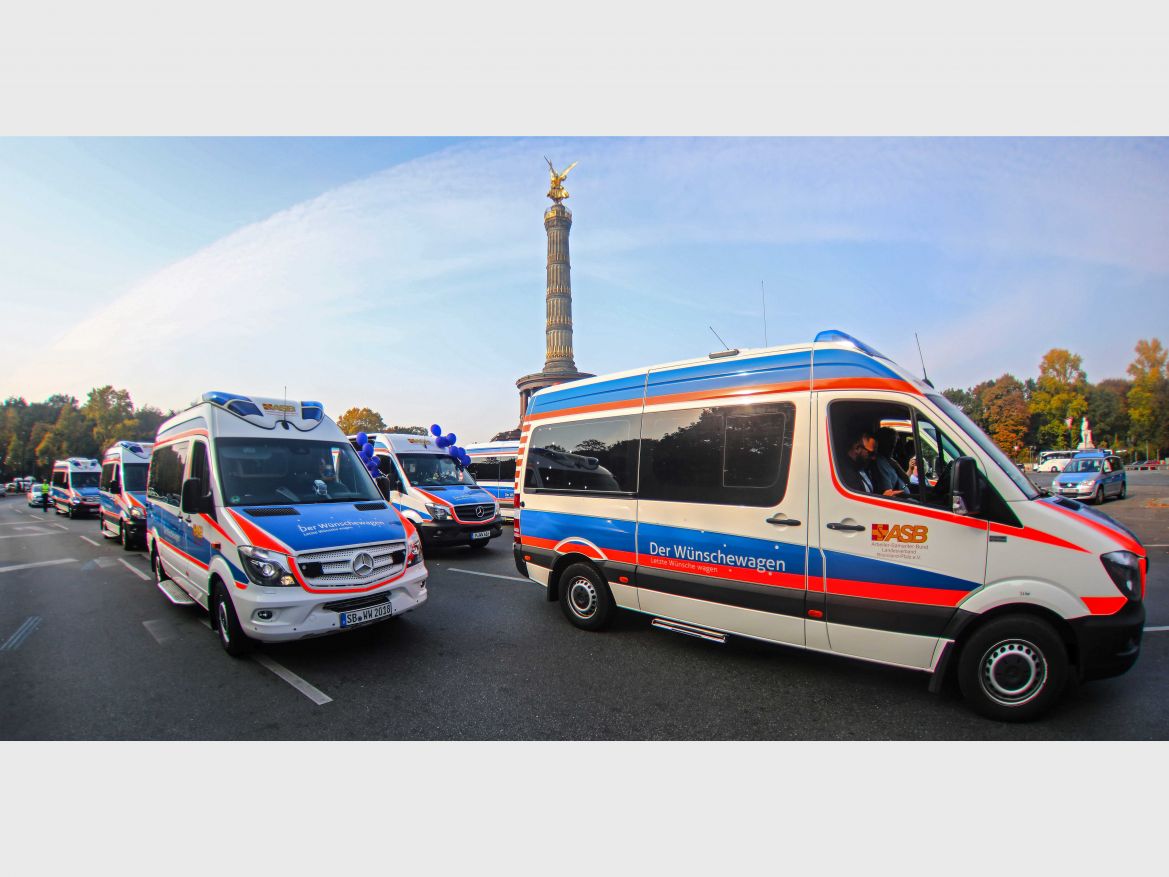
[
  {"x": 448, "y": 441},
  {"x": 365, "y": 452}
]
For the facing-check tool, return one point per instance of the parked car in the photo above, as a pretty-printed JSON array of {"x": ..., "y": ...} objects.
[
  {"x": 36, "y": 497},
  {"x": 1092, "y": 476}
]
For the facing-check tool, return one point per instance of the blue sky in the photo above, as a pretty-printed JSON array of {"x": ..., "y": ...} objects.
[{"x": 407, "y": 274}]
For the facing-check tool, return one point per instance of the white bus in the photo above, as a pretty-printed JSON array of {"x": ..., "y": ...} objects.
[{"x": 1052, "y": 461}]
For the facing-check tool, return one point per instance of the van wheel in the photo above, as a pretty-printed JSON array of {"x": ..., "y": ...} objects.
[
  {"x": 124, "y": 538},
  {"x": 160, "y": 575},
  {"x": 1097, "y": 495},
  {"x": 585, "y": 598},
  {"x": 231, "y": 635},
  {"x": 1013, "y": 668},
  {"x": 1123, "y": 490}
]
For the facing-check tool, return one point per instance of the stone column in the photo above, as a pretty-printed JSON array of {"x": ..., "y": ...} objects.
[{"x": 558, "y": 328}]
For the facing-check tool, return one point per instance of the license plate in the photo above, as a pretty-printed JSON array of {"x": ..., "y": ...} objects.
[
  {"x": 481, "y": 534},
  {"x": 364, "y": 616}
]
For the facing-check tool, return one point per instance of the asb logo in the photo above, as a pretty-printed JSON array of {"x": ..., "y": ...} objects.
[{"x": 913, "y": 534}]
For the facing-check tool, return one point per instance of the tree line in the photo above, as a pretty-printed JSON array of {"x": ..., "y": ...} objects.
[
  {"x": 34, "y": 434},
  {"x": 1046, "y": 412}
]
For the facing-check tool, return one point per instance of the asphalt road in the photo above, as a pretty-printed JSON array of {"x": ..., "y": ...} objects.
[{"x": 89, "y": 649}]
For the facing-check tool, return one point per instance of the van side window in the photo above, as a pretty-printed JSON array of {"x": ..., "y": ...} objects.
[
  {"x": 586, "y": 456},
  {"x": 60, "y": 478},
  {"x": 166, "y": 473},
  {"x": 734, "y": 455},
  {"x": 486, "y": 469},
  {"x": 201, "y": 468},
  {"x": 507, "y": 469},
  {"x": 109, "y": 473}
]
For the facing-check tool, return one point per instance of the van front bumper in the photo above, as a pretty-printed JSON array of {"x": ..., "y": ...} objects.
[
  {"x": 297, "y": 614},
  {"x": 454, "y": 533},
  {"x": 1109, "y": 645}
]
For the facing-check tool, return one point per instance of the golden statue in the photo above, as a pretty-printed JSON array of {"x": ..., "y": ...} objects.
[{"x": 558, "y": 193}]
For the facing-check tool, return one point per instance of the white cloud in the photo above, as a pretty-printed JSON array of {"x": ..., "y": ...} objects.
[{"x": 419, "y": 290}]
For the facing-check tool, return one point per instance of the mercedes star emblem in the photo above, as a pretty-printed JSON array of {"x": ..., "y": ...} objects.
[{"x": 363, "y": 564}]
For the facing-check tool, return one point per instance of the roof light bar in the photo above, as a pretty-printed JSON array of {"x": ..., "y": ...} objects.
[{"x": 835, "y": 336}]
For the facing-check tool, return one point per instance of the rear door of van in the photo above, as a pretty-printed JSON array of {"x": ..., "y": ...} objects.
[{"x": 723, "y": 496}]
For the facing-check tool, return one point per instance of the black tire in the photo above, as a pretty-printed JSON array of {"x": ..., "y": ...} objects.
[
  {"x": 1013, "y": 668},
  {"x": 124, "y": 538},
  {"x": 157, "y": 568},
  {"x": 231, "y": 635},
  {"x": 1097, "y": 495},
  {"x": 585, "y": 597},
  {"x": 1123, "y": 489}
]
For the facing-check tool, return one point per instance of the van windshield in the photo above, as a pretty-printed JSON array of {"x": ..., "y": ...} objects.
[
  {"x": 274, "y": 471},
  {"x": 988, "y": 447},
  {"x": 433, "y": 470},
  {"x": 79, "y": 480},
  {"x": 134, "y": 477}
]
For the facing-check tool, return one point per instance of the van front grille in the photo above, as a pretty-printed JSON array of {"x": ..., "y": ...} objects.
[{"x": 343, "y": 567}]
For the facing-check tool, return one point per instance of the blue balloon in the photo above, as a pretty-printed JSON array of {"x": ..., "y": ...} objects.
[
  {"x": 435, "y": 429},
  {"x": 450, "y": 437},
  {"x": 362, "y": 438},
  {"x": 441, "y": 442},
  {"x": 368, "y": 448},
  {"x": 466, "y": 461}
]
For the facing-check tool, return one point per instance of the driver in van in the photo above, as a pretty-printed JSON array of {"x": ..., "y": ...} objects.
[
  {"x": 854, "y": 469},
  {"x": 888, "y": 477}
]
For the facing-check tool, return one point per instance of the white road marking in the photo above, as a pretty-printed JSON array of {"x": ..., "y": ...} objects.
[
  {"x": 311, "y": 692},
  {"x": 60, "y": 526},
  {"x": 132, "y": 569},
  {"x": 490, "y": 575},
  {"x": 1148, "y": 629},
  {"x": 1166, "y": 545},
  {"x": 29, "y": 535},
  {"x": 22, "y": 633},
  {"x": 160, "y": 630},
  {"x": 38, "y": 563},
  {"x": 90, "y": 541},
  {"x": 17, "y": 524}
]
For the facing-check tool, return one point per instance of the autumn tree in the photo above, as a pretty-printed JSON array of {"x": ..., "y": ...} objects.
[
  {"x": 408, "y": 430},
  {"x": 112, "y": 414},
  {"x": 357, "y": 420},
  {"x": 1005, "y": 412},
  {"x": 1060, "y": 392},
  {"x": 1148, "y": 400}
]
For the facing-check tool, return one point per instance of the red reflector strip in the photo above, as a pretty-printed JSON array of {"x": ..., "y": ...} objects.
[{"x": 815, "y": 613}]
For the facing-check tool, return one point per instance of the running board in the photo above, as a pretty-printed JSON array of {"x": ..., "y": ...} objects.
[
  {"x": 175, "y": 594},
  {"x": 690, "y": 630}
]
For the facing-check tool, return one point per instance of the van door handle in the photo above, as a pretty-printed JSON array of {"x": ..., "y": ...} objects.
[
  {"x": 839, "y": 525},
  {"x": 779, "y": 520}
]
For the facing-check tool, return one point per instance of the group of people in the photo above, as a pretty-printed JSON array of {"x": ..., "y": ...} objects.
[{"x": 869, "y": 465}]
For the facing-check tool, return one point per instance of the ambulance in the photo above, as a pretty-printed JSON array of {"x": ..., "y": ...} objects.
[
  {"x": 493, "y": 468},
  {"x": 729, "y": 495},
  {"x": 122, "y": 492},
  {"x": 433, "y": 492},
  {"x": 260, "y": 511},
  {"x": 74, "y": 486}
]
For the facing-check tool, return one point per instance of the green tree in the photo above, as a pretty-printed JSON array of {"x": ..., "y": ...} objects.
[
  {"x": 1108, "y": 411},
  {"x": 357, "y": 420},
  {"x": 1148, "y": 400},
  {"x": 112, "y": 414},
  {"x": 1060, "y": 392},
  {"x": 71, "y": 436}
]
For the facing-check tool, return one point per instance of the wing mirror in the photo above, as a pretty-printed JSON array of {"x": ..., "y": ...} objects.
[
  {"x": 965, "y": 489},
  {"x": 193, "y": 499},
  {"x": 383, "y": 485}
]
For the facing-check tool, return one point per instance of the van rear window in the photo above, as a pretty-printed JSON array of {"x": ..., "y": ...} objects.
[{"x": 584, "y": 456}]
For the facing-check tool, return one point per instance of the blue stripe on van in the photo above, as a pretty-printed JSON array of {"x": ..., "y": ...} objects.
[
  {"x": 778, "y": 368},
  {"x": 605, "y": 533},
  {"x": 883, "y": 572},
  {"x": 624, "y": 389}
]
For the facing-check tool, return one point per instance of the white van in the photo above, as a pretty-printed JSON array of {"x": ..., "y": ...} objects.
[
  {"x": 434, "y": 492},
  {"x": 74, "y": 486},
  {"x": 122, "y": 492},
  {"x": 493, "y": 468},
  {"x": 260, "y": 511},
  {"x": 734, "y": 494}
]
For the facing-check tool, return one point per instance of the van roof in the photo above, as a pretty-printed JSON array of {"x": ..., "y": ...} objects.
[
  {"x": 77, "y": 463},
  {"x": 834, "y": 360},
  {"x": 237, "y": 415}
]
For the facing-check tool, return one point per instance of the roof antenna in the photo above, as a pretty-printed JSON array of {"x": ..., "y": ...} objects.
[
  {"x": 719, "y": 337},
  {"x": 924, "y": 376},
  {"x": 763, "y": 296}
]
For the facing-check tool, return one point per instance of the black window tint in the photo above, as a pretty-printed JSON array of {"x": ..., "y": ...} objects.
[
  {"x": 507, "y": 469},
  {"x": 736, "y": 455},
  {"x": 109, "y": 472},
  {"x": 166, "y": 473},
  {"x": 59, "y": 478},
  {"x": 590, "y": 456},
  {"x": 486, "y": 469},
  {"x": 201, "y": 465}
]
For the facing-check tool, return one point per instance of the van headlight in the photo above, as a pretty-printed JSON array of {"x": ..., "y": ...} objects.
[
  {"x": 267, "y": 568},
  {"x": 413, "y": 549},
  {"x": 75, "y": 501},
  {"x": 438, "y": 512},
  {"x": 1124, "y": 568},
  {"x": 136, "y": 512}
]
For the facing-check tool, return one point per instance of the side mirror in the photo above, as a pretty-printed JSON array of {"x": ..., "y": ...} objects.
[
  {"x": 193, "y": 500},
  {"x": 113, "y": 487},
  {"x": 965, "y": 492},
  {"x": 383, "y": 485}
]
